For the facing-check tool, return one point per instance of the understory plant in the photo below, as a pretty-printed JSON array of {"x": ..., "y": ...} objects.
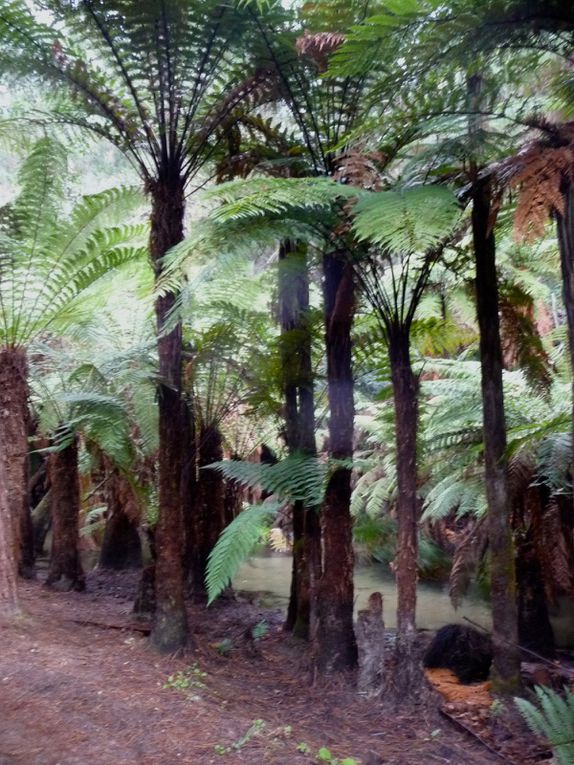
[{"x": 553, "y": 717}]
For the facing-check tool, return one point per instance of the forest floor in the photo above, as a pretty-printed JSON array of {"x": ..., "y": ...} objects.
[{"x": 80, "y": 686}]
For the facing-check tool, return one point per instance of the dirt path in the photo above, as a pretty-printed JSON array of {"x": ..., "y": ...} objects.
[{"x": 72, "y": 693}]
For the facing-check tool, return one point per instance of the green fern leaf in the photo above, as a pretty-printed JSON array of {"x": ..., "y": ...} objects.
[{"x": 234, "y": 546}]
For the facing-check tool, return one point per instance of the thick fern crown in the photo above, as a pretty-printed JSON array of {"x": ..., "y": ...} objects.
[{"x": 47, "y": 260}]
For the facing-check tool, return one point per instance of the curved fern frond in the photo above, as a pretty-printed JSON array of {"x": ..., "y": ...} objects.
[
  {"x": 298, "y": 477},
  {"x": 406, "y": 220},
  {"x": 553, "y": 718},
  {"x": 235, "y": 545}
]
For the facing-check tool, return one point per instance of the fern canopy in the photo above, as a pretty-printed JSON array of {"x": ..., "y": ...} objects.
[
  {"x": 47, "y": 260},
  {"x": 406, "y": 220}
]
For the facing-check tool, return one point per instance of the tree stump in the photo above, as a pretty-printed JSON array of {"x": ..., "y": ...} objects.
[{"x": 370, "y": 632}]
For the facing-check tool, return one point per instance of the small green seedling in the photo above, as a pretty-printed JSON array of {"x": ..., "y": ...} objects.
[
  {"x": 256, "y": 727},
  {"x": 225, "y": 646},
  {"x": 186, "y": 680},
  {"x": 260, "y": 630},
  {"x": 324, "y": 755}
]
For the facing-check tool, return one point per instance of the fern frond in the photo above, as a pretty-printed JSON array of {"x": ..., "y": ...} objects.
[
  {"x": 406, "y": 220},
  {"x": 553, "y": 718},
  {"x": 235, "y": 545},
  {"x": 298, "y": 477}
]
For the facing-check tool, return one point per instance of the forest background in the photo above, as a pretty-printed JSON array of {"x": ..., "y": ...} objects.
[{"x": 339, "y": 255}]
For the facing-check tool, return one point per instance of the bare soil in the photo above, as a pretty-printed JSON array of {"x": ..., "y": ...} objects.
[{"x": 79, "y": 686}]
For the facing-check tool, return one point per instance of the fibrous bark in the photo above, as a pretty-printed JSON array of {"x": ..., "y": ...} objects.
[
  {"x": 14, "y": 418},
  {"x": 565, "y": 225},
  {"x": 371, "y": 645},
  {"x": 408, "y": 675},
  {"x": 170, "y": 629},
  {"x": 65, "y": 570},
  {"x": 534, "y": 628},
  {"x": 506, "y": 668},
  {"x": 299, "y": 425},
  {"x": 209, "y": 514},
  {"x": 9, "y": 604},
  {"x": 335, "y": 647},
  {"x": 121, "y": 545}
]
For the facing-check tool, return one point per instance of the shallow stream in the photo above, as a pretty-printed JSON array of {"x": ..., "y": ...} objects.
[{"x": 270, "y": 574}]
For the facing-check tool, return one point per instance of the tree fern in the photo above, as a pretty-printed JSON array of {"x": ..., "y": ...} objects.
[
  {"x": 298, "y": 477},
  {"x": 235, "y": 545},
  {"x": 46, "y": 259},
  {"x": 406, "y": 220},
  {"x": 553, "y": 718}
]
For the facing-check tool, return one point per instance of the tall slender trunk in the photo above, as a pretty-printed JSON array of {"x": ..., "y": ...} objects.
[
  {"x": 299, "y": 424},
  {"x": 14, "y": 420},
  {"x": 170, "y": 629},
  {"x": 506, "y": 666},
  {"x": 407, "y": 678},
  {"x": 9, "y": 603},
  {"x": 65, "y": 570},
  {"x": 121, "y": 545},
  {"x": 335, "y": 639},
  {"x": 565, "y": 226},
  {"x": 210, "y": 512}
]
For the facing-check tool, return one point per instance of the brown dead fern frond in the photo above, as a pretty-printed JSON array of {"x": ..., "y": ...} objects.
[
  {"x": 540, "y": 181},
  {"x": 360, "y": 168},
  {"x": 522, "y": 344},
  {"x": 540, "y": 172},
  {"x": 319, "y": 46}
]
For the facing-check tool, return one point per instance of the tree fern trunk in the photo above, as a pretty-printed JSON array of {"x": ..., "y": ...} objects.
[
  {"x": 335, "y": 640},
  {"x": 14, "y": 419},
  {"x": 65, "y": 570},
  {"x": 121, "y": 545},
  {"x": 502, "y": 565},
  {"x": 534, "y": 628},
  {"x": 210, "y": 516},
  {"x": 170, "y": 630},
  {"x": 408, "y": 675},
  {"x": 299, "y": 423},
  {"x": 565, "y": 224},
  {"x": 9, "y": 603}
]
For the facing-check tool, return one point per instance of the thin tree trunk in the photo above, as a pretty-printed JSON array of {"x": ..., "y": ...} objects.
[
  {"x": 210, "y": 513},
  {"x": 190, "y": 501},
  {"x": 14, "y": 419},
  {"x": 121, "y": 545},
  {"x": 65, "y": 570},
  {"x": 408, "y": 675},
  {"x": 336, "y": 648},
  {"x": 232, "y": 500},
  {"x": 506, "y": 667},
  {"x": 565, "y": 225},
  {"x": 170, "y": 631},
  {"x": 299, "y": 424},
  {"x": 9, "y": 603}
]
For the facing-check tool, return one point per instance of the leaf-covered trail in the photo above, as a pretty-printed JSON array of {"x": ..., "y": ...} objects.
[{"x": 74, "y": 693}]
